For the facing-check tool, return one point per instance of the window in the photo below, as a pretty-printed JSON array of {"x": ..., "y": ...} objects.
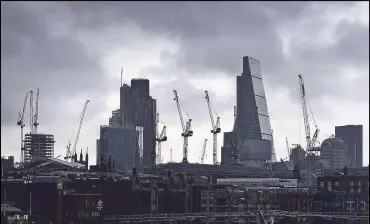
[
  {"x": 351, "y": 190},
  {"x": 336, "y": 183},
  {"x": 359, "y": 190},
  {"x": 359, "y": 183},
  {"x": 211, "y": 194},
  {"x": 362, "y": 206},
  {"x": 322, "y": 184},
  {"x": 351, "y": 183},
  {"x": 329, "y": 184}
]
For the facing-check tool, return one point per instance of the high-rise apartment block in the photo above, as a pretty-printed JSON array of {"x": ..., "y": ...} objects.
[
  {"x": 38, "y": 146},
  {"x": 252, "y": 133},
  {"x": 352, "y": 135}
]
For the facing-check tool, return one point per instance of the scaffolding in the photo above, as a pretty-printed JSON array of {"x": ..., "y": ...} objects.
[{"x": 38, "y": 146}]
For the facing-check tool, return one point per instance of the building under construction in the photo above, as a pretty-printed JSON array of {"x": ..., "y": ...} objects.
[{"x": 38, "y": 146}]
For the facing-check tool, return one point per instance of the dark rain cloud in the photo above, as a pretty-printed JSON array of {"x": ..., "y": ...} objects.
[{"x": 31, "y": 57}]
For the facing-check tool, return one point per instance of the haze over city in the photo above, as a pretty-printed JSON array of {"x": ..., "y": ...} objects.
[{"x": 74, "y": 52}]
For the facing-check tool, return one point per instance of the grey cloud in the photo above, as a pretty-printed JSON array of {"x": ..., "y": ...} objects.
[
  {"x": 214, "y": 36},
  {"x": 32, "y": 57}
]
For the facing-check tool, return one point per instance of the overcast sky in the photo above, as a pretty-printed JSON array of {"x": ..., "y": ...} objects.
[{"x": 75, "y": 51}]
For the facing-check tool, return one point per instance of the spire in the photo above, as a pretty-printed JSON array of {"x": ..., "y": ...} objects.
[
  {"x": 87, "y": 158},
  {"x": 81, "y": 157}
]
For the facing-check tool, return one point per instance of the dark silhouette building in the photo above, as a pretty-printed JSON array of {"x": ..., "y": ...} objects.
[
  {"x": 352, "y": 135},
  {"x": 138, "y": 111},
  {"x": 252, "y": 133}
]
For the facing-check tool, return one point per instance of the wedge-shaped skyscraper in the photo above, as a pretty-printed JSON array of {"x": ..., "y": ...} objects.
[{"x": 252, "y": 134}]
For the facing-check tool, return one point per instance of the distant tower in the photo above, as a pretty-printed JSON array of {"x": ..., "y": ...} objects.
[
  {"x": 87, "y": 158},
  {"x": 81, "y": 157}
]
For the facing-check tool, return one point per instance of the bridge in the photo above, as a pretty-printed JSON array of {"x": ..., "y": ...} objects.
[{"x": 265, "y": 217}]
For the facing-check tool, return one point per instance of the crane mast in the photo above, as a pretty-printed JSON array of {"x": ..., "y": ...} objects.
[
  {"x": 31, "y": 111},
  {"x": 162, "y": 137},
  {"x": 21, "y": 124},
  {"x": 186, "y": 128},
  {"x": 310, "y": 141},
  {"x": 36, "y": 116},
  {"x": 215, "y": 127},
  {"x": 71, "y": 152},
  {"x": 203, "y": 151},
  {"x": 305, "y": 114}
]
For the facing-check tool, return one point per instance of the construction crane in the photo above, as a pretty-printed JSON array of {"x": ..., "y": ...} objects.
[
  {"x": 36, "y": 116},
  {"x": 203, "y": 151},
  {"x": 186, "y": 128},
  {"x": 215, "y": 127},
  {"x": 310, "y": 149},
  {"x": 287, "y": 146},
  {"x": 162, "y": 137},
  {"x": 20, "y": 123},
  {"x": 304, "y": 100},
  {"x": 31, "y": 111},
  {"x": 70, "y": 152}
]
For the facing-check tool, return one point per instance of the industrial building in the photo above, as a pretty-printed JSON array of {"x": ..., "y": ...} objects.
[
  {"x": 251, "y": 134},
  {"x": 352, "y": 135},
  {"x": 138, "y": 109},
  {"x": 38, "y": 146}
]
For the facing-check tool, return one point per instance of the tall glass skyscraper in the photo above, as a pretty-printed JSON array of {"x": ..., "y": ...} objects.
[
  {"x": 252, "y": 133},
  {"x": 138, "y": 109}
]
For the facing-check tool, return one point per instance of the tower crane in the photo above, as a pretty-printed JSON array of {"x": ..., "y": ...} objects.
[
  {"x": 72, "y": 152},
  {"x": 203, "y": 151},
  {"x": 36, "y": 116},
  {"x": 310, "y": 141},
  {"x": 22, "y": 125},
  {"x": 162, "y": 137},
  {"x": 31, "y": 111},
  {"x": 186, "y": 128},
  {"x": 287, "y": 146},
  {"x": 304, "y": 100},
  {"x": 215, "y": 127}
]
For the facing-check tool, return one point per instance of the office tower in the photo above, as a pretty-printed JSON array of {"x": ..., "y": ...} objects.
[
  {"x": 38, "y": 146},
  {"x": 98, "y": 151},
  {"x": 121, "y": 145},
  {"x": 138, "y": 111},
  {"x": 252, "y": 130},
  {"x": 352, "y": 136},
  {"x": 115, "y": 120}
]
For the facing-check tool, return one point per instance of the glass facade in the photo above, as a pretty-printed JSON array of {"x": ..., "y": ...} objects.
[
  {"x": 252, "y": 126},
  {"x": 138, "y": 109},
  {"x": 120, "y": 144}
]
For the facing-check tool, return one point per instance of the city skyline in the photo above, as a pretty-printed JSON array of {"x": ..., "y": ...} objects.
[{"x": 85, "y": 54}]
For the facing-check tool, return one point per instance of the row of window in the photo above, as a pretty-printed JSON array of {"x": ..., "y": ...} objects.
[{"x": 336, "y": 183}]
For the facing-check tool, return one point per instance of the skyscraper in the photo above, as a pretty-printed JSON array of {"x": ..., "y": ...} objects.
[
  {"x": 352, "y": 136},
  {"x": 252, "y": 133},
  {"x": 138, "y": 111}
]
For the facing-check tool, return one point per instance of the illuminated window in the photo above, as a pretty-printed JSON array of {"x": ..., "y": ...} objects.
[{"x": 329, "y": 184}]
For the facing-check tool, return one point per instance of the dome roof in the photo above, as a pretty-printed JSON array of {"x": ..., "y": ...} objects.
[{"x": 333, "y": 143}]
